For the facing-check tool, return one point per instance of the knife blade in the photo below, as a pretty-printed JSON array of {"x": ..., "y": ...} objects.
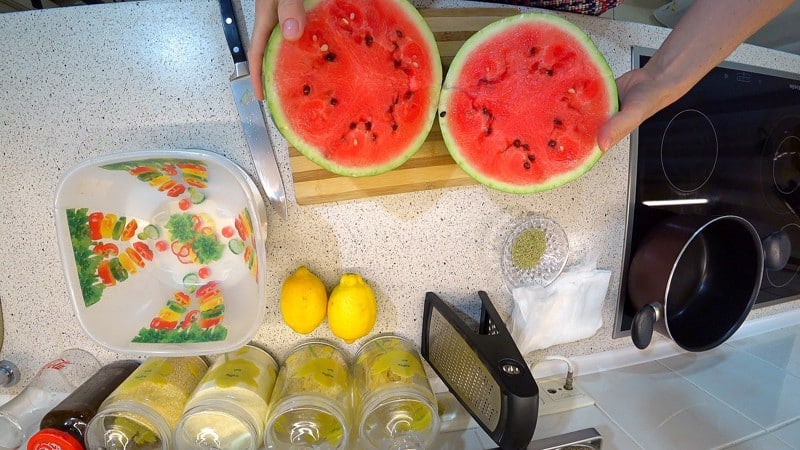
[{"x": 252, "y": 116}]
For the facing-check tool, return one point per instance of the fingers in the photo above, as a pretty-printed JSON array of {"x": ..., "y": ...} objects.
[
  {"x": 640, "y": 96},
  {"x": 292, "y": 16},
  {"x": 266, "y": 18},
  {"x": 617, "y": 127},
  {"x": 268, "y": 12}
]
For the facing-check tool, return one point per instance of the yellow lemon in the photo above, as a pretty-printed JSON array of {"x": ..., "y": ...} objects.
[
  {"x": 303, "y": 301},
  {"x": 352, "y": 308}
]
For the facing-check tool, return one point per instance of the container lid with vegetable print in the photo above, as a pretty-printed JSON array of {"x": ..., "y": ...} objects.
[{"x": 163, "y": 251}]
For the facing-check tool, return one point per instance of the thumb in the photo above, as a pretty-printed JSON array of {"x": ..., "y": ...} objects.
[{"x": 617, "y": 127}]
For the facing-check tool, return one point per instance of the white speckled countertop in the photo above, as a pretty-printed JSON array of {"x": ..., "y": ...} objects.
[{"x": 84, "y": 81}]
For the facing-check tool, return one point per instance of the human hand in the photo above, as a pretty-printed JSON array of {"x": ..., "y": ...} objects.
[
  {"x": 641, "y": 95},
  {"x": 292, "y": 17}
]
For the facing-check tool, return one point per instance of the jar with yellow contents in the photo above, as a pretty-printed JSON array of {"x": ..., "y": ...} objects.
[
  {"x": 395, "y": 405},
  {"x": 143, "y": 411},
  {"x": 310, "y": 406}
]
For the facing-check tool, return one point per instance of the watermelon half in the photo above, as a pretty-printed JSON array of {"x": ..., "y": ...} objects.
[
  {"x": 358, "y": 93},
  {"x": 523, "y": 102}
]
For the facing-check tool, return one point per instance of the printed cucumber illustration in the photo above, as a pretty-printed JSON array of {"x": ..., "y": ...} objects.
[{"x": 183, "y": 319}]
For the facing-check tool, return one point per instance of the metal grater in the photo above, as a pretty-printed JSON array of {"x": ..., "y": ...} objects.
[{"x": 484, "y": 370}]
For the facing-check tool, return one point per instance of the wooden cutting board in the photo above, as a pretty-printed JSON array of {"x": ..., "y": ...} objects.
[{"x": 431, "y": 167}]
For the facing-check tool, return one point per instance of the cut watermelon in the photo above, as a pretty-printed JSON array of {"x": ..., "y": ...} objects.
[
  {"x": 523, "y": 102},
  {"x": 358, "y": 93}
]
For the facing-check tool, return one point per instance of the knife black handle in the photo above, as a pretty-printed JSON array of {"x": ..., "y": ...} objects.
[{"x": 232, "y": 31}]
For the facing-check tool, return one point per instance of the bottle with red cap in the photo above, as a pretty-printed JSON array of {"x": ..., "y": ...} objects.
[{"x": 64, "y": 426}]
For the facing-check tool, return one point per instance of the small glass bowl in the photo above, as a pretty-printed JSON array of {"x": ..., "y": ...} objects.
[{"x": 551, "y": 262}]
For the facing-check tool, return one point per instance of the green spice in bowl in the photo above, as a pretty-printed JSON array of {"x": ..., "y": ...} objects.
[
  {"x": 528, "y": 248},
  {"x": 534, "y": 252}
]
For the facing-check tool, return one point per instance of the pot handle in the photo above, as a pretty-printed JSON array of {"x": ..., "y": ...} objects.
[{"x": 643, "y": 322}]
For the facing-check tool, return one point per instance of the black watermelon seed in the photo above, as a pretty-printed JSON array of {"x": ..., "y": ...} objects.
[
  {"x": 517, "y": 143},
  {"x": 527, "y": 165},
  {"x": 408, "y": 95},
  {"x": 531, "y": 158},
  {"x": 549, "y": 72},
  {"x": 532, "y": 51},
  {"x": 391, "y": 109},
  {"x": 526, "y": 147},
  {"x": 551, "y": 143},
  {"x": 399, "y": 33},
  {"x": 443, "y": 113},
  {"x": 368, "y": 125},
  {"x": 374, "y": 137},
  {"x": 488, "y": 131},
  {"x": 334, "y": 102},
  {"x": 397, "y": 63},
  {"x": 353, "y": 125},
  {"x": 394, "y": 126},
  {"x": 306, "y": 90},
  {"x": 557, "y": 122},
  {"x": 368, "y": 40},
  {"x": 330, "y": 57}
]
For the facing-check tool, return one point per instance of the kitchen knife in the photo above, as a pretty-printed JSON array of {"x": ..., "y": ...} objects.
[{"x": 252, "y": 116}]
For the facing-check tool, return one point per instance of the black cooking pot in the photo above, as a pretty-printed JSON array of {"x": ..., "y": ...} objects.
[{"x": 695, "y": 280}]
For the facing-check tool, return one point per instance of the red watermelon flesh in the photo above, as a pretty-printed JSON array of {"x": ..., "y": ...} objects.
[
  {"x": 358, "y": 93},
  {"x": 523, "y": 102}
]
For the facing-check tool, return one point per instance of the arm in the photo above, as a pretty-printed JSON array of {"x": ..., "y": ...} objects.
[
  {"x": 292, "y": 17},
  {"x": 709, "y": 31}
]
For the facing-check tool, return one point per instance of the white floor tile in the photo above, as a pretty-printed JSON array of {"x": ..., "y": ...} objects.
[
  {"x": 780, "y": 347},
  {"x": 589, "y": 417},
  {"x": 789, "y": 434},
  {"x": 661, "y": 410},
  {"x": 757, "y": 389},
  {"x": 764, "y": 441},
  {"x": 551, "y": 425},
  {"x": 470, "y": 439}
]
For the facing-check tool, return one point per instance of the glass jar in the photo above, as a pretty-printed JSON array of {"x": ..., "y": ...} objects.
[
  {"x": 64, "y": 426},
  {"x": 144, "y": 410},
  {"x": 229, "y": 407},
  {"x": 20, "y": 417},
  {"x": 395, "y": 405},
  {"x": 311, "y": 407}
]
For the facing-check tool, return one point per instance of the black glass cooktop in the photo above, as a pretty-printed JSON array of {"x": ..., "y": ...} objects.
[{"x": 729, "y": 146}]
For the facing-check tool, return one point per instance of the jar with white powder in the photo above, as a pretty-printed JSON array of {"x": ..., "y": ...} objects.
[{"x": 228, "y": 408}]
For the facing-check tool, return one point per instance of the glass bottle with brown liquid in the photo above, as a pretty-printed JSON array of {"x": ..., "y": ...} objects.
[{"x": 65, "y": 424}]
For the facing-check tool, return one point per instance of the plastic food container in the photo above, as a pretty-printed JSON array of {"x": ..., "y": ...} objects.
[
  {"x": 395, "y": 406},
  {"x": 163, "y": 251},
  {"x": 311, "y": 406},
  {"x": 535, "y": 252}
]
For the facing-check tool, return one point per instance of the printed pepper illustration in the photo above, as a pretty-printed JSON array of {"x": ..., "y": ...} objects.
[
  {"x": 176, "y": 322},
  {"x": 245, "y": 244},
  {"x": 173, "y": 177},
  {"x": 104, "y": 251}
]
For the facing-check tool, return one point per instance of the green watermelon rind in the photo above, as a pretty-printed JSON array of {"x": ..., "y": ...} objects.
[
  {"x": 453, "y": 73},
  {"x": 311, "y": 151}
]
